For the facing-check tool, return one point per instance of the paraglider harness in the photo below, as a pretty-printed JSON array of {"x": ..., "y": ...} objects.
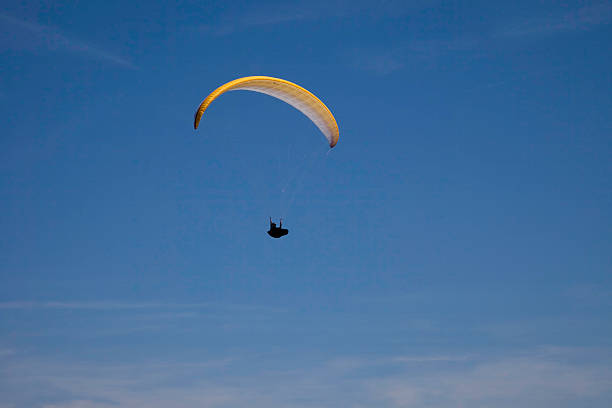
[{"x": 277, "y": 232}]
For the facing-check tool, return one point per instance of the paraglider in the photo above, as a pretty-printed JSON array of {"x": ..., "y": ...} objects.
[
  {"x": 277, "y": 232},
  {"x": 293, "y": 94}
]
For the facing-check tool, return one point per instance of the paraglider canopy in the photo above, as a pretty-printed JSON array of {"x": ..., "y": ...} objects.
[{"x": 291, "y": 93}]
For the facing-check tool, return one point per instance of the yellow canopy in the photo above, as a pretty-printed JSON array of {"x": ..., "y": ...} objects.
[{"x": 293, "y": 94}]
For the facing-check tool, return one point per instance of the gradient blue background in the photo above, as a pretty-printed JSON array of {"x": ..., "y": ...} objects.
[{"x": 453, "y": 250}]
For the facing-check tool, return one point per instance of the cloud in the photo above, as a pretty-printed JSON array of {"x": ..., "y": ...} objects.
[
  {"x": 266, "y": 15},
  {"x": 354, "y": 363},
  {"x": 583, "y": 18},
  {"x": 45, "y": 383},
  {"x": 585, "y": 294},
  {"x": 429, "y": 359},
  {"x": 396, "y": 58},
  {"x": 534, "y": 380},
  {"x": 79, "y": 404},
  {"x": 25, "y": 34},
  {"x": 399, "y": 56},
  {"x": 379, "y": 64},
  {"x": 97, "y": 319},
  {"x": 6, "y": 352},
  {"x": 177, "y": 309},
  {"x": 288, "y": 12},
  {"x": 99, "y": 305},
  {"x": 551, "y": 377}
]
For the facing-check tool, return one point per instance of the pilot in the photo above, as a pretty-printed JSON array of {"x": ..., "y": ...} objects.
[{"x": 277, "y": 232}]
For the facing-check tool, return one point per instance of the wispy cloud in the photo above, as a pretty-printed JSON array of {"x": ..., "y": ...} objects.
[
  {"x": 399, "y": 56},
  {"x": 583, "y": 18},
  {"x": 565, "y": 378},
  {"x": 585, "y": 294},
  {"x": 288, "y": 12},
  {"x": 429, "y": 359},
  {"x": 395, "y": 58},
  {"x": 112, "y": 319},
  {"x": 52, "y": 38},
  {"x": 260, "y": 17},
  {"x": 180, "y": 308},
  {"x": 99, "y": 305},
  {"x": 529, "y": 381},
  {"x": 379, "y": 64},
  {"x": 6, "y": 352},
  {"x": 346, "y": 365}
]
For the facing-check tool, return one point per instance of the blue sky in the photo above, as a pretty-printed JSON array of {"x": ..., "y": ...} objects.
[{"x": 453, "y": 250}]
